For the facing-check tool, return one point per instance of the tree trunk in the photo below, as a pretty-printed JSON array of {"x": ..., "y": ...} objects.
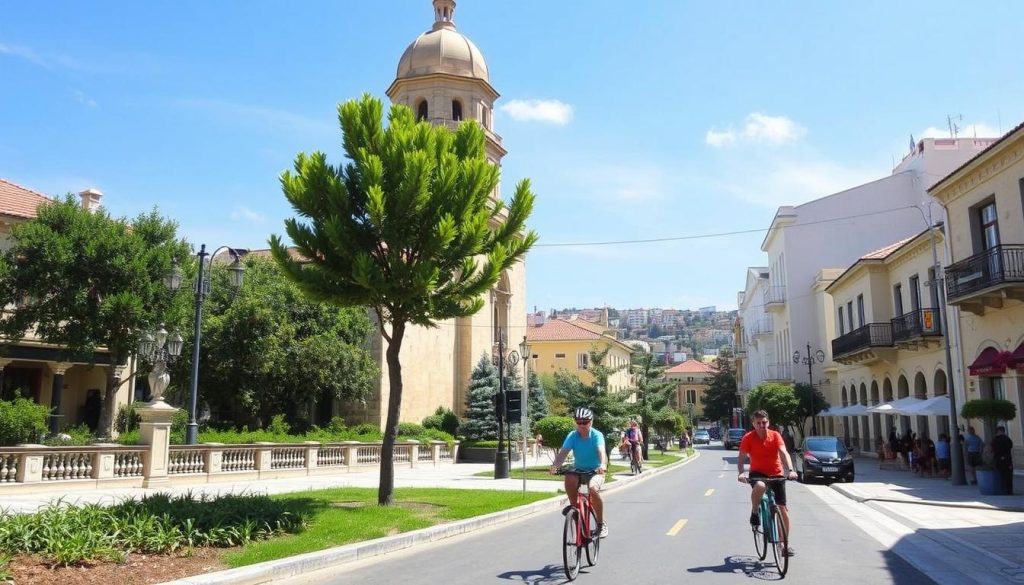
[
  {"x": 105, "y": 427},
  {"x": 386, "y": 488}
]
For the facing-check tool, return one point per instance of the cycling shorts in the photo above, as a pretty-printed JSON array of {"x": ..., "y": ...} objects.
[{"x": 779, "y": 487}]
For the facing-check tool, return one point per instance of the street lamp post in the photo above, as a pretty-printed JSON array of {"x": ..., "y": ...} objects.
[
  {"x": 524, "y": 349},
  {"x": 502, "y": 457},
  {"x": 202, "y": 289},
  {"x": 160, "y": 350},
  {"x": 808, "y": 359}
]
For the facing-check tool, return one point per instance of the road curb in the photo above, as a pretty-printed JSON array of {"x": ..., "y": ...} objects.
[
  {"x": 305, "y": 563},
  {"x": 842, "y": 489}
]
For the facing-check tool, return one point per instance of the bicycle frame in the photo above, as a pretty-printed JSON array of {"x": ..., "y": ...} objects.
[
  {"x": 767, "y": 503},
  {"x": 583, "y": 505}
]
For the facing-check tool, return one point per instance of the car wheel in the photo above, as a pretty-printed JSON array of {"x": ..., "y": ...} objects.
[{"x": 850, "y": 480}]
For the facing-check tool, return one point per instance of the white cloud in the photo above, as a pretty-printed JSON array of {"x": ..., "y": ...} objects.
[
  {"x": 81, "y": 98},
  {"x": 243, "y": 213},
  {"x": 548, "y": 111},
  {"x": 978, "y": 130},
  {"x": 791, "y": 180},
  {"x": 250, "y": 115},
  {"x": 758, "y": 128}
]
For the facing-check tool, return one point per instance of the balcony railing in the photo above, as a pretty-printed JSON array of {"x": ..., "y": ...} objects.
[
  {"x": 774, "y": 295},
  {"x": 778, "y": 371},
  {"x": 762, "y": 326},
  {"x": 870, "y": 335},
  {"x": 916, "y": 324},
  {"x": 999, "y": 265}
]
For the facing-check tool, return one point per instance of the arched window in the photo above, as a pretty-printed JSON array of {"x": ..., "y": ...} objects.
[
  {"x": 421, "y": 111},
  {"x": 456, "y": 110}
]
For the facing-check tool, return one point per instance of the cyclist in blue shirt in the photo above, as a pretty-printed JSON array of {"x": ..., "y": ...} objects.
[{"x": 587, "y": 446}]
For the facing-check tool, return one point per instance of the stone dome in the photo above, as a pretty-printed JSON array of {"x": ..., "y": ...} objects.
[{"x": 442, "y": 50}]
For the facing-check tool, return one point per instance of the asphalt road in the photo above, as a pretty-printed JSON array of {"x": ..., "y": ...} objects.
[{"x": 683, "y": 525}]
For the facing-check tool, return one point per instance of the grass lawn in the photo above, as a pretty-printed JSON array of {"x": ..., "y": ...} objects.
[
  {"x": 346, "y": 515},
  {"x": 617, "y": 465}
]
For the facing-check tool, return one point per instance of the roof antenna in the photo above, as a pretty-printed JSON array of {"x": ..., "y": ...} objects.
[{"x": 953, "y": 128}]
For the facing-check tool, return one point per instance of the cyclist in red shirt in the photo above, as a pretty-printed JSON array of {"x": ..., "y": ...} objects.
[{"x": 767, "y": 450}]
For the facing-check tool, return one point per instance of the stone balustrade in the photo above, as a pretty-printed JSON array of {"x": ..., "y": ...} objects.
[{"x": 37, "y": 467}]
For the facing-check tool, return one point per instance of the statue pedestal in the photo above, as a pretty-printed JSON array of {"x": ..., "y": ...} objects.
[{"x": 155, "y": 431}]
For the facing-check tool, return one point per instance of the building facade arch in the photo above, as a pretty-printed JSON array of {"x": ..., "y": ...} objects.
[{"x": 887, "y": 389}]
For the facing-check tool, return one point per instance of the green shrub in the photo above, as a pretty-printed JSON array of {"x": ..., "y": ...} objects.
[
  {"x": 278, "y": 425},
  {"x": 337, "y": 425},
  {"x": 485, "y": 444},
  {"x": 367, "y": 430},
  {"x": 22, "y": 421},
  {"x": 443, "y": 419},
  {"x": 554, "y": 429},
  {"x": 990, "y": 409},
  {"x": 77, "y": 435},
  {"x": 127, "y": 419},
  {"x": 410, "y": 430}
]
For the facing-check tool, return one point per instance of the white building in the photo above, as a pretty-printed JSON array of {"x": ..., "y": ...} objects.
[{"x": 833, "y": 232}]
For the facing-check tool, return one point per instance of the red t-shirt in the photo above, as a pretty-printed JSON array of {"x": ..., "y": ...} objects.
[{"x": 764, "y": 455}]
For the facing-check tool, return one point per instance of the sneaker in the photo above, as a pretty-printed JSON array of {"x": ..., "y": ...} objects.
[
  {"x": 755, "y": 520},
  {"x": 602, "y": 530},
  {"x": 789, "y": 552},
  {"x": 566, "y": 509}
]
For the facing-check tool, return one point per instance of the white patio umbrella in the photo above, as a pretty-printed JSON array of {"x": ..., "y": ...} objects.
[
  {"x": 894, "y": 407},
  {"x": 851, "y": 410},
  {"x": 938, "y": 406}
]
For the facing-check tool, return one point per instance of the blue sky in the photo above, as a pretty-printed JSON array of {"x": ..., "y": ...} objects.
[{"x": 659, "y": 119}]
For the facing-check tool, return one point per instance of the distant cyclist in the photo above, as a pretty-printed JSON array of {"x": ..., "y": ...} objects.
[
  {"x": 587, "y": 446},
  {"x": 767, "y": 451},
  {"x": 635, "y": 437}
]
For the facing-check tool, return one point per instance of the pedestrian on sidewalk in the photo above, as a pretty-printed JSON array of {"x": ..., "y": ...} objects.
[
  {"x": 1002, "y": 451},
  {"x": 973, "y": 444},
  {"x": 925, "y": 465},
  {"x": 942, "y": 455}
]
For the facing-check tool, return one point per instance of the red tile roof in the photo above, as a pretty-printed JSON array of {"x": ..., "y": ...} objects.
[
  {"x": 691, "y": 367},
  {"x": 560, "y": 330},
  {"x": 882, "y": 253},
  {"x": 18, "y": 201}
]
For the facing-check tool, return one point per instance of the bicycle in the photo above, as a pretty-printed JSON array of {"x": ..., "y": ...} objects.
[
  {"x": 635, "y": 459},
  {"x": 580, "y": 525},
  {"x": 771, "y": 529}
]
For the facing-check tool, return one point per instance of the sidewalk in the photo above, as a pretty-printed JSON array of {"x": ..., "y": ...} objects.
[
  {"x": 461, "y": 475},
  {"x": 988, "y": 530}
]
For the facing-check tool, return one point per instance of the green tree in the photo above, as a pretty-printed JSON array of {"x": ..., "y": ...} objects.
[
  {"x": 610, "y": 408},
  {"x": 268, "y": 349},
  {"x": 720, "y": 397},
  {"x": 653, "y": 393},
  {"x": 538, "y": 400},
  {"x": 91, "y": 282},
  {"x": 779, "y": 400},
  {"x": 408, "y": 228},
  {"x": 481, "y": 422},
  {"x": 804, "y": 393}
]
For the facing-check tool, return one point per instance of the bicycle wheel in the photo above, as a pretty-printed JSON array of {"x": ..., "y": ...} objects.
[
  {"x": 570, "y": 544},
  {"x": 593, "y": 542},
  {"x": 634, "y": 466},
  {"x": 760, "y": 541},
  {"x": 780, "y": 544}
]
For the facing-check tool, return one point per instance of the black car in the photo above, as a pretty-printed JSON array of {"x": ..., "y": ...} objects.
[
  {"x": 824, "y": 458},
  {"x": 732, "y": 438}
]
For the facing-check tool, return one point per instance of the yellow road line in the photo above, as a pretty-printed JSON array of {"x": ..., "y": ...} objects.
[
  {"x": 709, "y": 492},
  {"x": 676, "y": 528}
]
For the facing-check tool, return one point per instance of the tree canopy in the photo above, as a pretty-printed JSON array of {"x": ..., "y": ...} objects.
[
  {"x": 653, "y": 394},
  {"x": 268, "y": 349},
  {"x": 89, "y": 282},
  {"x": 408, "y": 227},
  {"x": 720, "y": 397},
  {"x": 779, "y": 400}
]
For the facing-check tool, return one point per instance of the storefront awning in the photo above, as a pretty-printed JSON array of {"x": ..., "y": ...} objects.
[
  {"x": 991, "y": 362},
  {"x": 1017, "y": 357}
]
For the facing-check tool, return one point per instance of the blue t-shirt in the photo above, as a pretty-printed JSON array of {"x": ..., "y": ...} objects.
[
  {"x": 942, "y": 450},
  {"x": 973, "y": 443},
  {"x": 585, "y": 450}
]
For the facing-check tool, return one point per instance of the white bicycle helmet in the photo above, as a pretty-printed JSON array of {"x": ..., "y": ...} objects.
[{"x": 584, "y": 413}]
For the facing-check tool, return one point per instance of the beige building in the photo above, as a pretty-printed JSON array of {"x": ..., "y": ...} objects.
[
  {"x": 692, "y": 379},
  {"x": 443, "y": 77},
  {"x": 888, "y": 342},
  {"x": 984, "y": 202},
  {"x": 565, "y": 345},
  {"x": 41, "y": 371}
]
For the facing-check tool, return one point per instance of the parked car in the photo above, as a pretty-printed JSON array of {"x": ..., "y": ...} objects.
[
  {"x": 733, "y": 437},
  {"x": 825, "y": 458},
  {"x": 701, "y": 437}
]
